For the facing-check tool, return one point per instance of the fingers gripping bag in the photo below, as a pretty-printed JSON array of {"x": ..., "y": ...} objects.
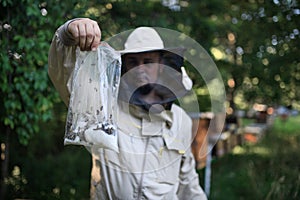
[{"x": 93, "y": 101}]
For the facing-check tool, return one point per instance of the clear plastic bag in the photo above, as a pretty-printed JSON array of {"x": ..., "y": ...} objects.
[{"x": 92, "y": 112}]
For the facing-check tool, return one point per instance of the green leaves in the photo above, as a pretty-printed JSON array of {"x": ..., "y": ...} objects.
[
  {"x": 25, "y": 88},
  {"x": 6, "y": 2}
]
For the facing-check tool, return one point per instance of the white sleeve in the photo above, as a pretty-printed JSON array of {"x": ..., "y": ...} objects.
[{"x": 61, "y": 61}]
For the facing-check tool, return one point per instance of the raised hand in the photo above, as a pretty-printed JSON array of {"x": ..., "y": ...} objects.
[{"x": 86, "y": 33}]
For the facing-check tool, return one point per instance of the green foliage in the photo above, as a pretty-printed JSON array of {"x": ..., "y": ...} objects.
[
  {"x": 23, "y": 103},
  {"x": 268, "y": 34},
  {"x": 266, "y": 170},
  {"x": 288, "y": 127},
  {"x": 26, "y": 30},
  {"x": 45, "y": 169}
]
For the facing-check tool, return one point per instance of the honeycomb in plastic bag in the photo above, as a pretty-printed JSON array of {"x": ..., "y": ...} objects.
[{"x": 93, "y": 102}]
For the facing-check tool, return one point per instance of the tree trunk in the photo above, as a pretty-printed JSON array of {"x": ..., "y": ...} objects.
[{"x": 4, "y": 163}]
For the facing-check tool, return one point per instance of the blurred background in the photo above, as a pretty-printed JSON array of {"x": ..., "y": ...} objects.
[{"x": 255, "y": 45}]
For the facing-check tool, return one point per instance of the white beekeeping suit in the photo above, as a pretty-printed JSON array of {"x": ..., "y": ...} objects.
[{"x": 154, "y": 159}]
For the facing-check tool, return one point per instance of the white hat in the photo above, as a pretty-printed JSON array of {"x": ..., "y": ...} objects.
[{"x": 143, "y": 39}]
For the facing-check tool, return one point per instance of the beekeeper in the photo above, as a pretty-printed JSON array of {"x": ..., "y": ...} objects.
[{"x": 154, "y": 134}]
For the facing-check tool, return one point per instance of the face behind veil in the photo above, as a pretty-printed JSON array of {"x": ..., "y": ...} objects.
[{"x": 167, "y": 88}]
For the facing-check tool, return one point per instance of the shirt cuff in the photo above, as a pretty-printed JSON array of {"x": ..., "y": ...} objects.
[{"x": 65, "y": 36}]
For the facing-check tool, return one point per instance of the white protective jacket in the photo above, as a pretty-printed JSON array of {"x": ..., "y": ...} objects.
[{"x": 155, "y": 160}]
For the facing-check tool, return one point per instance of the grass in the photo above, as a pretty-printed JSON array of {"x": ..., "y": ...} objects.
[{"x": 269, "y": 169}]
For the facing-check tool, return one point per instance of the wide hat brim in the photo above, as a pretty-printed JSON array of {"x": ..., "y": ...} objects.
[{"x": 177, "y": 50}]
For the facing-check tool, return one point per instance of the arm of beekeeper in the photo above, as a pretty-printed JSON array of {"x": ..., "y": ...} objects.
[
  {"x": 81, "y": 32},
  {"x": 189, "y": 186}
]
